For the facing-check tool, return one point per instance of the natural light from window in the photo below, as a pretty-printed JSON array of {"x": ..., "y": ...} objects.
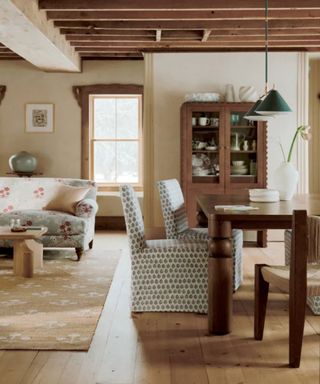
[{"x": 116, "y": 139}]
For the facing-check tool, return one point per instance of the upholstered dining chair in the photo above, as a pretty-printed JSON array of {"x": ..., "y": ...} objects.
[
  {"x": 298, "y": 279},
  {"x": 166, "y": 275},
  {"x": 177, "y": 227}
]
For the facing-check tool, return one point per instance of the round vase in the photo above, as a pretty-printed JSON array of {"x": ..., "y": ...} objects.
[
  {"x": 23, "y": 162},
  {"x": 286, "y": 178}
]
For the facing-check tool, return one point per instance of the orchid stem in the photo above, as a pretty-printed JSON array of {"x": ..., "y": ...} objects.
[
  {"x": 284, "y": 156},
  {"x": 292, "y": 144}
]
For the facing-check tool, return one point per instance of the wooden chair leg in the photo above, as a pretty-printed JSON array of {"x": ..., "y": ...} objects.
[
  {"x": 298, "y": 286},
  {"x": 260, "y": 302}
]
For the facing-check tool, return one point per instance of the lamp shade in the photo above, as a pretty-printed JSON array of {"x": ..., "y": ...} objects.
[
  {"x": 253, "y": 115},
  {"x": 273, "y": 104}
]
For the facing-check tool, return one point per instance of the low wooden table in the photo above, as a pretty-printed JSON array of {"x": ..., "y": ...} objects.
[
  {"x": 27, "y": 253},
  {"x": 220, "y": 223}
]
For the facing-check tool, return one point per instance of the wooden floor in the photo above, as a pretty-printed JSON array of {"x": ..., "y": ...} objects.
[{"x": 153, "y": 348}]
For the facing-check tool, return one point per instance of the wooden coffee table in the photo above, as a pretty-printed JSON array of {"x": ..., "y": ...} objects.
[{"x": 27, "y": 253}]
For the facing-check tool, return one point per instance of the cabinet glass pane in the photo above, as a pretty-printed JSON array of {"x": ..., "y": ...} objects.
[
  {"x": 205, "y": 147},
  {"x": 243, "y": 149}
]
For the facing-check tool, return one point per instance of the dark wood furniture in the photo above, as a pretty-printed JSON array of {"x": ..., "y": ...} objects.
[
  {"x": 228, "y": 137},
  {"x": 267, "y": 216},
  {"x": 297, "y": 283}
]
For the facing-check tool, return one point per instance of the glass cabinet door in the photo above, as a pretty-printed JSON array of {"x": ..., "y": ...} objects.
[
  {"x": 243, "y": 148},
  {"x": 206, "y": 144}
]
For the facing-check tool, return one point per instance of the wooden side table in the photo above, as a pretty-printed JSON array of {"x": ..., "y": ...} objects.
[{"x": 27, "y": 253}]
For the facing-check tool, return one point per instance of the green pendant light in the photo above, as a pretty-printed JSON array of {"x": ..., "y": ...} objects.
[{"x": 271, "y": 103}]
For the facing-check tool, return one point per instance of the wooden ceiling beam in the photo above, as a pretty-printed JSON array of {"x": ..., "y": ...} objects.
[
  {"x": 145, "y": 41},
  {"x": 109, "y": 38},
  {"x": 194, "y": 44},
  {"x": 246, "y": 14},
  {"x": 85, "y": 32},
  {"x": 183, "y": 24},
  {"x": 174, "y": 4}
]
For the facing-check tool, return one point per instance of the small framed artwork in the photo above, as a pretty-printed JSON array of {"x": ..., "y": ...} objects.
[{"x": 39, "y": 118}]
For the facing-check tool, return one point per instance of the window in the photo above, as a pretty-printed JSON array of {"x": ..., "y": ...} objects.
[
  {"x": 115, "y": 139},
  {"x": 111, "y": 124}
]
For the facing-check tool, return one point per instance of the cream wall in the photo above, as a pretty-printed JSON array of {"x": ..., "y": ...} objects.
[
  {"x": 178, "y": 74},
  {"x": 58, "y": 153}
]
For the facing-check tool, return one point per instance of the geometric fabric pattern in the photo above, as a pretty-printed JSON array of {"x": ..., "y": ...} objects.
[
  {"x": 313, "y": 300},
  {"x": 176, "y": 225},
  {"x": 168, "y": 275}
]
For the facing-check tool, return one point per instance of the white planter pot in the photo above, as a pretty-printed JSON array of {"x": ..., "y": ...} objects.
[{"x": 286, "y": 179}]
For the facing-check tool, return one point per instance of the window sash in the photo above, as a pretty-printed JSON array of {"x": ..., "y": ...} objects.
[{"x": 107, "y": 186}]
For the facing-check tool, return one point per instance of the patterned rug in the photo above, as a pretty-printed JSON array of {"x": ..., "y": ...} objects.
[{"x": 59, "y": 308}]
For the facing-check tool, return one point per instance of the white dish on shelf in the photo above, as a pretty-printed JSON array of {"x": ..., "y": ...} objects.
[
  {"x": 239, "y": 171},
  {"x": 211, "y": 148},
  {"x": 202, "y": 96},
  {"x": 237, "y": 163}
]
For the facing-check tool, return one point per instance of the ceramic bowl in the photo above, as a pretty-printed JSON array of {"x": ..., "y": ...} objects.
[{"x": 237, "y": 163}]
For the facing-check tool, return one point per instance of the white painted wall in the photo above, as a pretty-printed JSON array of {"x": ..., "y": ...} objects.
[{"x": 176, "y": 74}]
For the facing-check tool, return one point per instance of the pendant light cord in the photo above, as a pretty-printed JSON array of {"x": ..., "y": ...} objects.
[{"x": 266, "y": 27}]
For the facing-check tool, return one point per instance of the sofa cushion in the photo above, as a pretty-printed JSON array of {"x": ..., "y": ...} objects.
[
  {"x": 66, "y": 198},
  {"x": 17, "y": 193},
  {"x": 58, "y": 223}
]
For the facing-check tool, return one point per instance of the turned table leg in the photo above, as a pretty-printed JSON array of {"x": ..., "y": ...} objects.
[
  {"x": 27, "y": 256},
  {"x": 220, "y": 278}
]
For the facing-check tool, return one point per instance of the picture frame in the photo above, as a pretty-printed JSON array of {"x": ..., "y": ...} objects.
[{"x": 39, "y": 118}]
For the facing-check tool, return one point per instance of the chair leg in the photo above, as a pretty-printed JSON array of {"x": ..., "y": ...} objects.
[
  {"x": 91, "y": 244},
  {"x": 260, "y": 302},
  {"x": 297, "y": 311}
]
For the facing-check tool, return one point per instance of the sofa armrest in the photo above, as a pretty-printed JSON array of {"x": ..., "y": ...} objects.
[{"x": 86, "y": 208}]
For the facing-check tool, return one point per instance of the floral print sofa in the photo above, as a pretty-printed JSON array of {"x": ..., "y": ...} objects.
[{"x": 25, "y": 198}]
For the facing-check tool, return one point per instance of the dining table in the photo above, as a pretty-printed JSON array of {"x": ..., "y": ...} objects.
[{"x": 223, "y": 216}]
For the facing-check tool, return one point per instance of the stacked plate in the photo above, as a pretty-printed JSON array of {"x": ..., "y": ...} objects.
[
  {"x": 264, "y": 195},
  {"x": 239, "y": 168}
]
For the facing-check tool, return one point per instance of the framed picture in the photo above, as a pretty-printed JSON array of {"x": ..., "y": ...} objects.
[{"x": 39, "y": 118}]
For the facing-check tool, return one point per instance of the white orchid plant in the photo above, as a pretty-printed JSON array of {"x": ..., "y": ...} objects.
[{"x": 304, "y": 132}]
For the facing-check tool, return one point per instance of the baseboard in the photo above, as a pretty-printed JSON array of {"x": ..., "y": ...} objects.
[{"x": 110, "y": 223}]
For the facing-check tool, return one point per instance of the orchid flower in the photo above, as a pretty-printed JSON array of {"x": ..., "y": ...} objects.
[{"x": 304, "y": 132}]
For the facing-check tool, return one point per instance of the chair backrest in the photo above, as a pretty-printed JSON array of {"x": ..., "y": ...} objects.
[
  {"x": 173, "y": 207},
  {"x": 133, "y": 218}
]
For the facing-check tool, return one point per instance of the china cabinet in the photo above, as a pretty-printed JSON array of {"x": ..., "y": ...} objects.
[{"x": 221, "y": 152}]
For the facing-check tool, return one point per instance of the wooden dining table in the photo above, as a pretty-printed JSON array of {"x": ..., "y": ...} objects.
[{"x": 276, "y": 215}]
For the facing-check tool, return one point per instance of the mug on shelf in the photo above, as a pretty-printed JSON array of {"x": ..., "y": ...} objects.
[
  {"x": 214, "y": 121},
  {"x": 194, "y": 121},
  {"x": 204, "y": 121}
]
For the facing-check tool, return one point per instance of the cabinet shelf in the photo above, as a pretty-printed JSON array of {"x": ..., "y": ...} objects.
[
  {"x": 220, "y": 160},
  {"x": 203, "y": 151},
  {"x": 234, "y": 151}
]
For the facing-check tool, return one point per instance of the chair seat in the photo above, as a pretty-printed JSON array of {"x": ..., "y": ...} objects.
[{"x": 279, "y": 276}]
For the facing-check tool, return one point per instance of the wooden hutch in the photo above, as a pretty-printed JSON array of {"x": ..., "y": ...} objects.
[{"x": 221, "y": 152}]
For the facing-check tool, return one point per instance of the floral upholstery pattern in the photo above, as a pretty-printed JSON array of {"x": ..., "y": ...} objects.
[
  {"x": 25, "y": 198},
  {"x": 176, "y": 225},
  {"x": 166, "y": 275},
  {"x": 313, "y": 302}
]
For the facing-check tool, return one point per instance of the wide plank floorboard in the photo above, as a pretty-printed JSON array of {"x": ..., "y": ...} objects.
[{"x": 174, "y": 348}]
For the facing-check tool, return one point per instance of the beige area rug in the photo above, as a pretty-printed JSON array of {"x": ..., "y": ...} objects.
[{"x": 59, "y": 308}]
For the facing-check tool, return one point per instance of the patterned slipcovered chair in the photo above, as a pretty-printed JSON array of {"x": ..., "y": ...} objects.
[
  {"x": 177, "y": 227},
  {"x": 313, "y": 302},
  {"x": 166, "y": 275}
]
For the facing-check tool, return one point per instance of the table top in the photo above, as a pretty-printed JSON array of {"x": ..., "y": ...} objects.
[
  {"x": 5, "y": 233},
  {"x": 278, "y": 210}
]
